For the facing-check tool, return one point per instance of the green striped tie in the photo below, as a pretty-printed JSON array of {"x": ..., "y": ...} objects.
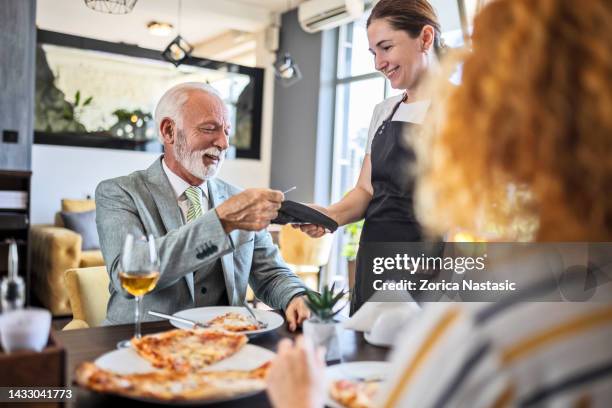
[{"x": 195, "y": 205}]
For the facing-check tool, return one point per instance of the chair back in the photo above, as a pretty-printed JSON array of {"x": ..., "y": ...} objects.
[
  {"x": 305, "y": 255},
  {"x": 88, "y": 293},
  {"x": 298, "y": 248}
]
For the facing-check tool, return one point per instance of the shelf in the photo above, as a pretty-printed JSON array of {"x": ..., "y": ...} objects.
[
  {"x": 96, "y": 139},
  {"x": 13, "y": 221},
  {"x": 15, "y": 180},
  {"x": 13, "y": 210},
  {"x": 4, "y": 272}
]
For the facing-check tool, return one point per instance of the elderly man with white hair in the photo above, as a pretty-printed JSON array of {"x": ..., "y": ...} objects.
[{"x": 210, "y": 236}]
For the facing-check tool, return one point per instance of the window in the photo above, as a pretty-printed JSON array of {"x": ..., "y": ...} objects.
[{"x": 359, "y": 88}]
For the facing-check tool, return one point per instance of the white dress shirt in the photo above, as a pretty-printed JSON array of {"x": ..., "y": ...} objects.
[{"x": 179, "y": 186}]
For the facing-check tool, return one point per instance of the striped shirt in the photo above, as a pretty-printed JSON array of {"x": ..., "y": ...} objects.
[{"x": 506, "y": 354}]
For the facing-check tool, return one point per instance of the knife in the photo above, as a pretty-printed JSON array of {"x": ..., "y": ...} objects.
[{"x": 191, "y": 323}]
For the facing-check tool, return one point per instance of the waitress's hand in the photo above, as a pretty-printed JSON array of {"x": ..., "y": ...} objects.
[{"x": 313, "y": 230}]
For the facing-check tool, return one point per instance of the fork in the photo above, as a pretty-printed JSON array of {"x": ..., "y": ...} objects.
[{"x": 262, "y": 325}]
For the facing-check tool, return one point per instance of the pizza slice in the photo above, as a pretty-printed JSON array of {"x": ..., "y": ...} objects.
[
  {"x": 234, "y": 322},
  {"x": 188, "y": 350},
  {"x": 354, "y": 394},
  {"x": 167, "y": 385}
]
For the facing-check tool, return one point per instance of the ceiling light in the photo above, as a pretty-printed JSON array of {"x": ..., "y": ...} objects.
[
  {"x": 177, "y": 51},
  {"x": 159, "y": 28},
  {"x": 111, "y": 6}
]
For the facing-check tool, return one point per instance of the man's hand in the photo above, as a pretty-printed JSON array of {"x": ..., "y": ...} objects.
[
  {"x": 251, "y": 210},
  {"x": 296, "y": 312},
  {"x": 296, "y": 376}
]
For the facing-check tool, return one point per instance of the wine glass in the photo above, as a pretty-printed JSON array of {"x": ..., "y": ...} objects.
[{"x": 139, "y": 274}]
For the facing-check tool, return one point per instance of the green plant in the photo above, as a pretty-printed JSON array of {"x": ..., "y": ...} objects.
[
  {"x": 322, "y": 304},
  {"x": 74, "y": 110},
  {"x": 353, "y": 234},
  {"x": 124, "y": 115}
]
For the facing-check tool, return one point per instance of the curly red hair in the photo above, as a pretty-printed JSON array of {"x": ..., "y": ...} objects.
[{"x": 528, "y": 133}]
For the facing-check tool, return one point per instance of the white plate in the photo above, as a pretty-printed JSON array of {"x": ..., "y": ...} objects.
[
  {"x": 127, "y": 360},
  {"x": 204, "y": 314},
  {"x": 354, "y": 370}
]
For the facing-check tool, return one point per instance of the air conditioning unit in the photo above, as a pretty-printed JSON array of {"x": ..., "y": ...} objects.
[{"x": 318, "y": 15}]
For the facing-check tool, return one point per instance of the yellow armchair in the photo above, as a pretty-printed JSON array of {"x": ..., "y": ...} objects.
[
  {"x": 305, "y": 255},
  {"x": 88, "y": 292},
  {"x": 76, "y": 324},
  {"x": 54, "y": 249}
]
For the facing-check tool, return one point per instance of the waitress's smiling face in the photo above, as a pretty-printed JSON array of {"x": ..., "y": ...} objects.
[{"x": 397, "y": 55}]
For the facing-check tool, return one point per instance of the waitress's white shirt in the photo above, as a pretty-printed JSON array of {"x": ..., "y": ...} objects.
[{"x": 413, "y": 112}]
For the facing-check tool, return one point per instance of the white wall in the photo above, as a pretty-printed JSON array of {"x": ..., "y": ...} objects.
[
  {"x": 448, "y": 13},
  {"x": 74, "y": 172}
]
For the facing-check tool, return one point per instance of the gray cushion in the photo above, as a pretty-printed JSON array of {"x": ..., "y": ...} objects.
[{"x": 84, "y": 224}]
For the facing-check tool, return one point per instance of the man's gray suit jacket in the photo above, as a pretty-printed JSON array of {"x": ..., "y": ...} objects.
[{"x": 144, "y": 203}]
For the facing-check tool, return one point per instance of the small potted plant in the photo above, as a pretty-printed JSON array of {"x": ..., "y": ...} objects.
[{"x": 322, "y": 328}]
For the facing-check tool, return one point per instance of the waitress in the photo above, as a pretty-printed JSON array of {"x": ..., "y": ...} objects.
[{"x": 404, "y": 37}]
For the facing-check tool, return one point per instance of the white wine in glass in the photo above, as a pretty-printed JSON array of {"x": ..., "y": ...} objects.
[
  {"x": 139, "y": 283},
  {"x": 139, "y": 274}
]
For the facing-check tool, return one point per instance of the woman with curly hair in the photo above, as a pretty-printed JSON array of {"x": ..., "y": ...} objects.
[
  {"x": 525, "y": 139},
  {"x": 537, "y": 108}
]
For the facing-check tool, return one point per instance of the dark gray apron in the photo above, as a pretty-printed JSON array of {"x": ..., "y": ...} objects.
[{"x": 390, "y": 215}]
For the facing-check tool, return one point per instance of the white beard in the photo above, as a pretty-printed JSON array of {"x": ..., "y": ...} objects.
[{"x": 193, "y": 161}]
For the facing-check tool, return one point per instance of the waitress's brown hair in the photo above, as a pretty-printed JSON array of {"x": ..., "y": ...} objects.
[{"x": 409, "y": 16}]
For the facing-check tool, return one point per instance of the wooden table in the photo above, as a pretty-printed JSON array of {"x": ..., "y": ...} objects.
[{"x": 88, "y": 344}]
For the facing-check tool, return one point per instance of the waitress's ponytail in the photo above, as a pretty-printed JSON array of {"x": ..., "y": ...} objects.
[
  {"x": 410, "y": 16},
  {"x": 440, "y": 47}
]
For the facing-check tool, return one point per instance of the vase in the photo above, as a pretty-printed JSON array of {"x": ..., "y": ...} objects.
[
  {"x": 351, "y": 267},
  {"x": 324, "y": 334}
]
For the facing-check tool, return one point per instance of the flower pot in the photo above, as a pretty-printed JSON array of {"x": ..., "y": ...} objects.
[
  {"x": 351, "y": 266},
  {"x": 324, "y": 334}
]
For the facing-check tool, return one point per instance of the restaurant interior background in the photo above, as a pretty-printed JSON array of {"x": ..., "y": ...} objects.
[{"x": 309, "y": 132}]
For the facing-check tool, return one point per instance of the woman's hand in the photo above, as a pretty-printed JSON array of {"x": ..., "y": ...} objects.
[
  {"x": 296, "y": 377},
  {"x": 313, "y": 230}
]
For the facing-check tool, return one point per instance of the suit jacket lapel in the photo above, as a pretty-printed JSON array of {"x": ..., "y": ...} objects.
[
  {"x": 163, "y": 195},
  {"x": 217, "y": 194},
  {"x": 169, "y": 211}
]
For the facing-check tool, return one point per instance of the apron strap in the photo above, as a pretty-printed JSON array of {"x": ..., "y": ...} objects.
[
  {"x": 390, "y": 116},
  {"x": 395, "y": 108}
]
